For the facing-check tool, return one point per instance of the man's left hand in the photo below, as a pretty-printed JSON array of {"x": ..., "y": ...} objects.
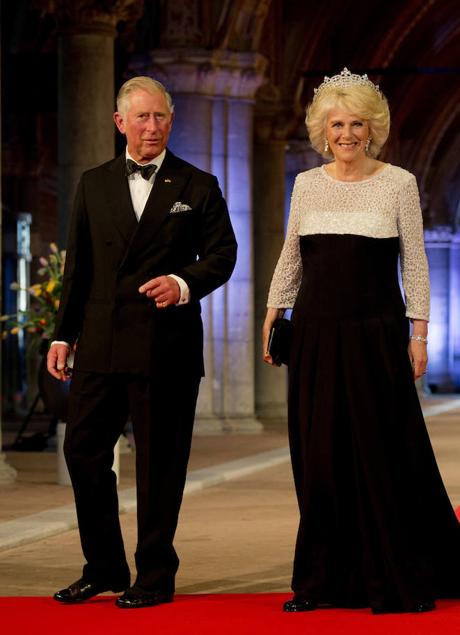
[{"x": 164, "y": 290}]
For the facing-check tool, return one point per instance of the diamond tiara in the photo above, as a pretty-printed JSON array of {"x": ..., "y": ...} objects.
[{"x": 345, "y": 79}]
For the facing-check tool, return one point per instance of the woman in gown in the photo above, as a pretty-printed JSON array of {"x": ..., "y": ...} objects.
[{"x": 376, "y": 525}]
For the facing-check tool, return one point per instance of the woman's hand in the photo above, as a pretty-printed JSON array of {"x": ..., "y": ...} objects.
[
  {"x": 418, "y": 350},
  {"x": 271, "y": 316}
]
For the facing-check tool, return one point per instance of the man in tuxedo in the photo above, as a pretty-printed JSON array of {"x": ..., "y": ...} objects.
[{"x": 150, "y": 235}]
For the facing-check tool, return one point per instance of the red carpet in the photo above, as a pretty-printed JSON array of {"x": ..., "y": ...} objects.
[
  {"x": 223, "y": 614},
  {"x": 226, "y": 614}
]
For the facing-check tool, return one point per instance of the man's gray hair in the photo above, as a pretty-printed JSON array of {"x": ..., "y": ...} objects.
[{"x": 141, "y": 82}]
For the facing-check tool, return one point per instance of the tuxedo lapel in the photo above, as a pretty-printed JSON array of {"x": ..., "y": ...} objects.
[
  {"x": 119, "y": 198},
  {"x": 169, "y": 183}
]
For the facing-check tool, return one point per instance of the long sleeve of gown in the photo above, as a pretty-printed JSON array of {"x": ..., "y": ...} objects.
[
  {"x": 414, "y": 265},
  {"x": 288, "y": 271}
]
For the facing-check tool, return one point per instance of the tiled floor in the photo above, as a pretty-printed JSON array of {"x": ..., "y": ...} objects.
[{"x": 235, "y": 536}]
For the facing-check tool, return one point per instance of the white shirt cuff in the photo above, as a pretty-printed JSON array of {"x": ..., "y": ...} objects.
[
  {"x": 60, "y": 342},
  {"x": 184, "y": 289}
]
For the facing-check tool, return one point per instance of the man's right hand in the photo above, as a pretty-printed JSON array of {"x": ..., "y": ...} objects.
[{"x": 56, "y": 361}]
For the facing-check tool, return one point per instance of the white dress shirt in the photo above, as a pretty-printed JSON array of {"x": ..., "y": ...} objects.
[{"x": 139, "y": 187}]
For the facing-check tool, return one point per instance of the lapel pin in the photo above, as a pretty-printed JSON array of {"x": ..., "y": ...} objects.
[{"x": 168, "y": 181}]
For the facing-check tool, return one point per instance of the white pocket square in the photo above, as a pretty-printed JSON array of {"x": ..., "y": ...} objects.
[{"x": 180, "y": 207}]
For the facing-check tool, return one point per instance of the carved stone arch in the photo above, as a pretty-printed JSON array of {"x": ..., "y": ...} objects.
[
  {"x": 442, "y": 180},
  {"x": 424, "y": 102},
  {"x": 243, "y": 26},
  {"x": 406, "y": 18},
  {"x": 432, "y": 136}
]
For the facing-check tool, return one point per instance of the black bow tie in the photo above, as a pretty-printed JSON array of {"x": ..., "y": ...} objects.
[{"x": 145, "y": 170}]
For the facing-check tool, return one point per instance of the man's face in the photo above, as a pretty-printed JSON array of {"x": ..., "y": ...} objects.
[{"x": 147, "y": 125}]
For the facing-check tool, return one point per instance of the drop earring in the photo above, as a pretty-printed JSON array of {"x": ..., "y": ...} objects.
[
  {"x": 368, "y": 143},
  {"x": 326, "y": 145}
]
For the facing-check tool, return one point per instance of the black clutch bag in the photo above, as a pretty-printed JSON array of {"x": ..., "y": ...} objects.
[{"x": 279, "y": 342}]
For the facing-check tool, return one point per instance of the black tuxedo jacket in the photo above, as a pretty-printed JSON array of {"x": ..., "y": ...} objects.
[{"x": 110, "y": 255}]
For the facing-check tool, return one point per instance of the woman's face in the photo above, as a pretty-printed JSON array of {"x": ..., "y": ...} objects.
[{"x": 347, "y": 135}]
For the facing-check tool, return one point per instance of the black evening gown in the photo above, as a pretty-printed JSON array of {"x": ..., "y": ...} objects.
[{"x": 376, "y": 525}]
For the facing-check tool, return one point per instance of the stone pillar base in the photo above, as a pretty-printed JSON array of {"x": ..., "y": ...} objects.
[
  {"x": 272, "y": 411},
  {"x": 422, "y": 387},
  {"x": 237, "y": 425},
  {"x": 7, "y": 473}
]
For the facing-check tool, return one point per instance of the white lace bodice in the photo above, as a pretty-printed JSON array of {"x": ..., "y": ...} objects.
[{"x": 383, "y": 206}]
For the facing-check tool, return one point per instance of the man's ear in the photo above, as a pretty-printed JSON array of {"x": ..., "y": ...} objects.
[{"x": 119, "y": 122}]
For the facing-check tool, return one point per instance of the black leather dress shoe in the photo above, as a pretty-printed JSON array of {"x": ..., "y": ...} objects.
[
  {"x": 82, "y": 590},
  {"x": 299, "y": 605},
  {"x": 135, "y": 598}
]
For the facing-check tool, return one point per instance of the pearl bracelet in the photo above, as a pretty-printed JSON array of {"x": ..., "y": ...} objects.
[{"x": 419, "y": 338}]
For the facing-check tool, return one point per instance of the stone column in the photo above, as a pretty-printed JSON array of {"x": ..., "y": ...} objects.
[
  {"x": 213, "y": 93},
  {"x": 269, "y": 193},
  {"x": 438, "y": 243},
  {"x": 87, "y": 30},
  {"x": 276, "y": 164},
  {"x": 7, "y": 473},
  {"x": 454, "y": 321},
  {"x": 239, "y": 387}
]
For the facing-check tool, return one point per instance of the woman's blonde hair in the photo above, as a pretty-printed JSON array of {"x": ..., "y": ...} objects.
[{"x": 363, "y": 101}]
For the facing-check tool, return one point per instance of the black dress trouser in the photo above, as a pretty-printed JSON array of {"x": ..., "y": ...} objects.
[{"x": 162, "y": 410}]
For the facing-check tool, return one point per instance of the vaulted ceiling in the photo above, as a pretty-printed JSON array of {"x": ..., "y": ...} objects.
[{"x": 410, "y": 47}]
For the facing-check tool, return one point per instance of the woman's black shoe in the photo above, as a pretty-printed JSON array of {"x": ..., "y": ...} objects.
[
  {"x": 299, "y": 605},
  {"x": 423, "y": 607}
]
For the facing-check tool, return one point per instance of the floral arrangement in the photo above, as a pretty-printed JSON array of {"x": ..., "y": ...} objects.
[{"x": 39, "y": 319}]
